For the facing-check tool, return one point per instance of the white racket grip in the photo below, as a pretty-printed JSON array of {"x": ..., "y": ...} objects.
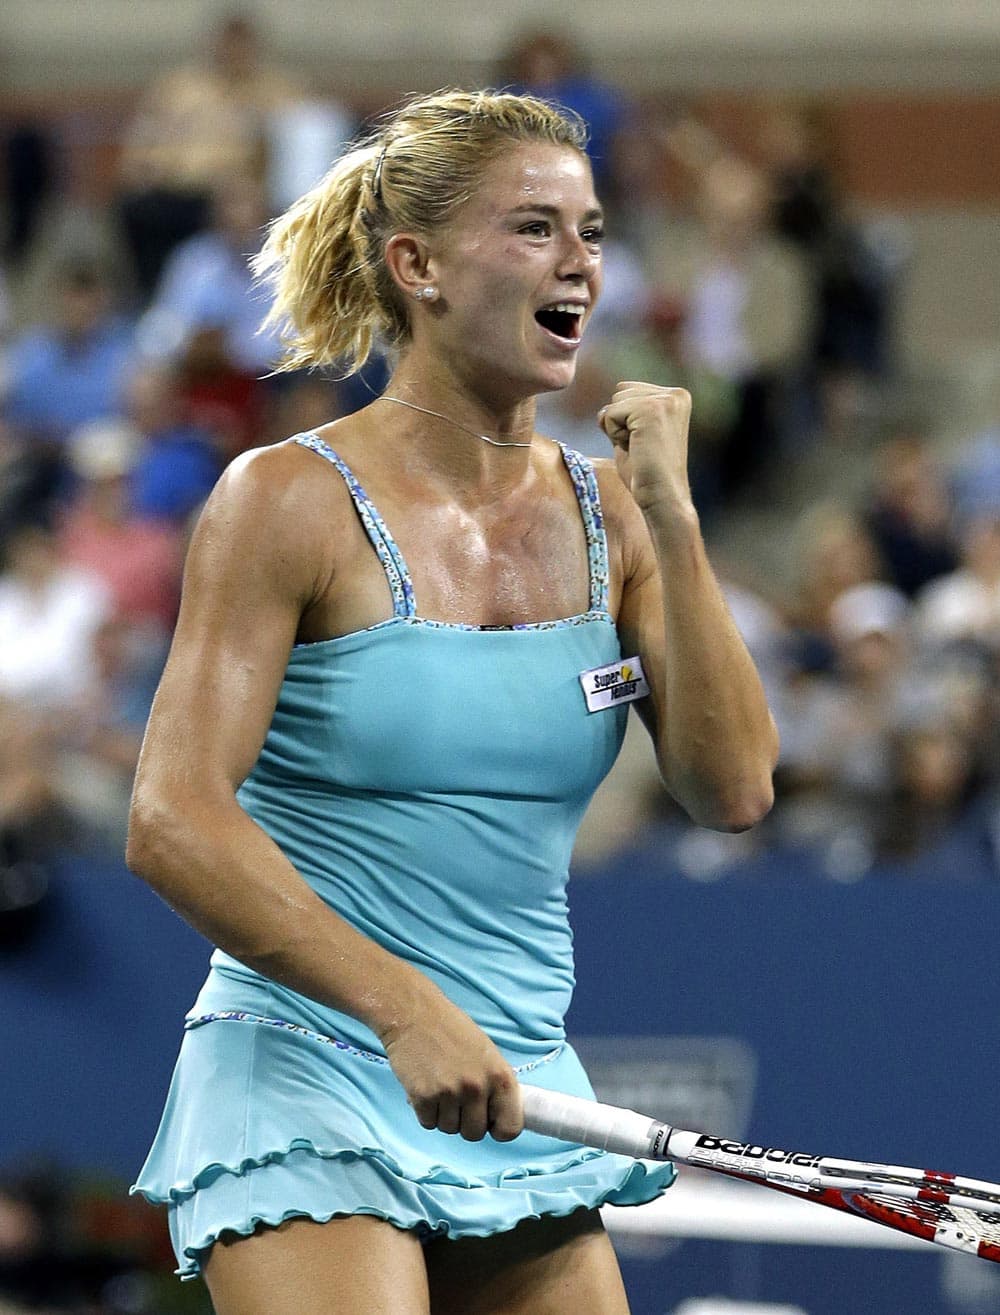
[{"x": 603, "y": 1127}]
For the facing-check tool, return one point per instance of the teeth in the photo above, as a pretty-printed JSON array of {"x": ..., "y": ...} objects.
[{"x": 568, "y": 307}]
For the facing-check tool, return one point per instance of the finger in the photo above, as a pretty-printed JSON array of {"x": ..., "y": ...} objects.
[
  {"x": 614, "y": 421},
  {"x": 475, "y": 1119},
  {"x": 426, "y": 1112},
  {"x": 449, "y": 1115},
  {"x": 675, "y": 397},
  {"x": 506, "y": 1117}
]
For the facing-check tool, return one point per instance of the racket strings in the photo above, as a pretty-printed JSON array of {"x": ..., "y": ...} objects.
[{"x": 927, "y": 1217}]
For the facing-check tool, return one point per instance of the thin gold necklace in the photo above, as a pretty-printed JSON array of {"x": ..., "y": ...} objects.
[{"x": 493, "y": 442}]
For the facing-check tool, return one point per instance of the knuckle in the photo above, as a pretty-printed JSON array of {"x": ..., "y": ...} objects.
[{"x": 505, "y": 1130}]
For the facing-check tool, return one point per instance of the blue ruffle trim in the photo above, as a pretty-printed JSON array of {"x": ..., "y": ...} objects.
[{"x": 301, "y": 1180}]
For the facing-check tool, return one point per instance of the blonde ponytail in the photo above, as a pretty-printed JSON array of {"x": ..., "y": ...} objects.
[{"x": 319, "y": 263}]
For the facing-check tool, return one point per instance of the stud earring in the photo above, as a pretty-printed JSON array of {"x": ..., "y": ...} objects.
[{"x": 425, "y": 294}]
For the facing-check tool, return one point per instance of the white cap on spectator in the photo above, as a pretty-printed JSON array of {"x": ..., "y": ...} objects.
[
  {"x": 868, "y": 609},
  {"x": 103, "y": 449}
]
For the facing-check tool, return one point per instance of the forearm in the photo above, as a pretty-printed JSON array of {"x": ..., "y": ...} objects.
[
  {"x": 225, "y": 876},
  {"x": 716, "y": 739}
]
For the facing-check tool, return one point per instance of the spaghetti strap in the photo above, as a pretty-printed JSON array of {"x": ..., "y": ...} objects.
[
  {"x": 584, "y": 479},
  {"x": 396, "y": 572}
]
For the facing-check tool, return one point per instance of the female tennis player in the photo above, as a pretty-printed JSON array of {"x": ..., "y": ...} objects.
[{"x": 404, "y": 659}]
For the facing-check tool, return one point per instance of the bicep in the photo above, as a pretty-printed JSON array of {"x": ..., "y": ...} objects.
[
  {"x": 640, "y": 617},
  {"x": 641, "y": 632}
]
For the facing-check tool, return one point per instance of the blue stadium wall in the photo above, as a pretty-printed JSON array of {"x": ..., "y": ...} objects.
[{"x": 870, "y": 1011}]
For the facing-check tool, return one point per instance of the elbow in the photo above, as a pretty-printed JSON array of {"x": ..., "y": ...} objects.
[
  {"x": 144, "y": 828},
  {"x": 154, "y": 832},
  {"x": 734, "y": 806},
  {"x": 744, "y": 810}
]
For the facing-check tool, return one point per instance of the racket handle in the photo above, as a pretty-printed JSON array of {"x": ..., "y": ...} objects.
[{"x": 603, "y": 1127}]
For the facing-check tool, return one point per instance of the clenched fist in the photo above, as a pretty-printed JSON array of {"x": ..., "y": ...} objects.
[{"x": 648, "y": 427}]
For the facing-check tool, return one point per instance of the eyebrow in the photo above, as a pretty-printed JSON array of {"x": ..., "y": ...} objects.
[{"x": 553, "y": 212}]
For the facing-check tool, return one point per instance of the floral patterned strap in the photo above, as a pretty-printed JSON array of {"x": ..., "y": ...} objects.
[
  {"x": 581, "y": 472},
  {"x": 239, "y": 1016},
  {"x": 378, "y": 532}
]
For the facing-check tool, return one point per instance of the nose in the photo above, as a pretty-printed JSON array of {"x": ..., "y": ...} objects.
[{"x": 579, "y": 260}]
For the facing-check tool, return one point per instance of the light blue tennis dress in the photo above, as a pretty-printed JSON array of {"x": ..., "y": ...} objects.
[{"x": 427, "y": 780}]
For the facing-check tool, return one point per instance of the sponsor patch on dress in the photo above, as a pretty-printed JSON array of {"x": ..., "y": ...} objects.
[{"x": 618, "y": 682}]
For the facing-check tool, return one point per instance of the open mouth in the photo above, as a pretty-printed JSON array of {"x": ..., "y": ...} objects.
[{"x": 564, "y": 319}]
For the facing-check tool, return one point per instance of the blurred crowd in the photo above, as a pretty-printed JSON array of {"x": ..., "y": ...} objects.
[
  {"x": 80, "y": 1245},
  {"x": 132, "y": 370}
]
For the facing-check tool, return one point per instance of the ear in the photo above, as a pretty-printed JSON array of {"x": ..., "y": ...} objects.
[{"x": 409, "y": 261}]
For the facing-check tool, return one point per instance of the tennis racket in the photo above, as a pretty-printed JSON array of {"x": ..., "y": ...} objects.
[{"x": 962, "y": 1213}]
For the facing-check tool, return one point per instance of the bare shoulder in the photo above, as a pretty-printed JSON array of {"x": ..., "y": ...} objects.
[
  {"x": 272, "y": 482},
  {"x": 274, "y": 526},
  {"x": 281, "y": 495}
]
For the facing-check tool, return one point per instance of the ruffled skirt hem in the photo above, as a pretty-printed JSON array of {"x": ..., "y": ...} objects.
[{"x": 304, "y": 1182}]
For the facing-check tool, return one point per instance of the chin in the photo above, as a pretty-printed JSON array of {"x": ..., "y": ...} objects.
[{"x": 557, "y": 378}]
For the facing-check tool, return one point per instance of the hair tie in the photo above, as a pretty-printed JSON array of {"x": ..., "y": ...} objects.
[{"x": 377, "y": 175}]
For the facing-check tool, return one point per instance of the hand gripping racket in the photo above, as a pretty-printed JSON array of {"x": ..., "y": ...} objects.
[{"x": 962, "y": 1213}]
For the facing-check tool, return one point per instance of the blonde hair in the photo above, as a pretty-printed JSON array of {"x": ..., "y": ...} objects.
[{"x": 324, "y": 257}]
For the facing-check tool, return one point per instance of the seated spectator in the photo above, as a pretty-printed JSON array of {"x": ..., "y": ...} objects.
[
  {"x": 909, "y": 514},
  {"x": 207, "y": 284},
  {"x": 545, "y": 62},
  {"x": 98, "y": 744},
  {"x": 230, "y": 405},
  {"x": 964, "y": 605},
  {"x": 304, "y": 138},
  {"x": 26, "y": 179},
  {"x": 936, "y": 784},
  {"x": 76, "y": 683},
  {"x": 196, "y": 124},
  {"x": 62, "y": 375},
  {"x": 833, "y": 552},
  {"x": 838, "y": 727},
  {"x": 206, "y": 319},
  {"x": 854, "y": 273},
  {"x": 139, "y": 559},
  {"x": 747, "y": 308},
  {"x": 53, "y": 1257},
  {"x": 178, "y": 462},
  {"x": 49, "y": 615}
]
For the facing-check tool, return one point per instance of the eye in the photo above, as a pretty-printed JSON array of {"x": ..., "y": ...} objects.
[
  {"x": 536, "y": 228},
  {"x": 593, "y": 236}
]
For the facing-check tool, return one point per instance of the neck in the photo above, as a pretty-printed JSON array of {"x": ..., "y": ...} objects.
[{"x": 456, "y": 430}]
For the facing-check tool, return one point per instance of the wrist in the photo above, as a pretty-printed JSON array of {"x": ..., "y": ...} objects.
[
  {"x": 671, "y": 516},
  {"x": 391, "y": 1005}
]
